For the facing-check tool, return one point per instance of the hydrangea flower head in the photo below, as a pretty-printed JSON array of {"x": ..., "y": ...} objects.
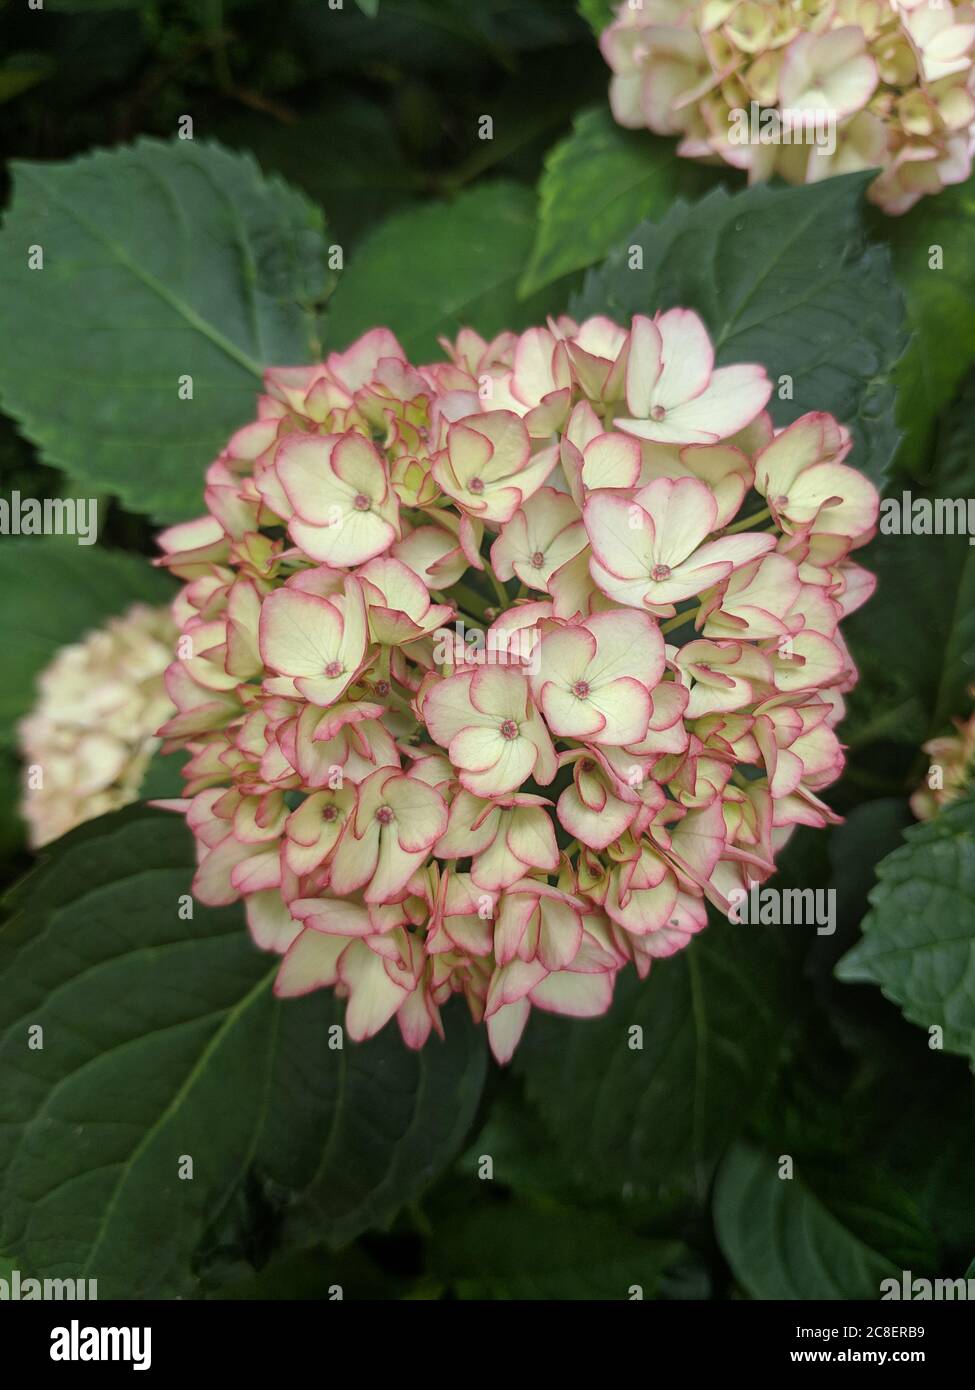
[
  {"x": 491, "y": 691},
  {"x": 89, "y": 739},
  {"x": 952, "y": 768},
  {"x": 804, "y": 90}
]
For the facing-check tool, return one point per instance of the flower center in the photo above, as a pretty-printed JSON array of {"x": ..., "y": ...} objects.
[
  {"x": 780, "y": 501},
  {"x": 538, "y": 560},
  {"x": 333, "y": 669},
  {"x": 586, "y": 765},
  {"x": 361, "y": 502},
  {"x": 509, "y": 729},
  {"x": 660, "y": 573},
  {"x": 384, "y": 815},
  {"x": 657, "y": 412},
  {"x": 581, "y": 688},
  {"x": 382, "y": 688},
  {"x": 330, "y": 813},
  {"x": 476, "y": 485}
]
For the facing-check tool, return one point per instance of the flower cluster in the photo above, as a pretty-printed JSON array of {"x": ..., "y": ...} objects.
[
  {"x": 486, "y": 688},
  {"x": 952, "y": 768},
  {"x": 89, "y": 739},
  {"x": 894, "y": 79}
]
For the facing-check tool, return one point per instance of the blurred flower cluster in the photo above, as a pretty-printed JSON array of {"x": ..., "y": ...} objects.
[
  {"x": 486, "y": 687},
  {"x": 893, "y": 77},
  {"x": 952, "y": 768},
  {"x": 90, "y": 737}
]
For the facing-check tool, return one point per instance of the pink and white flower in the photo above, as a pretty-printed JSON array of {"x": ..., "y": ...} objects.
[
  {"x": 595, "y": 678},
  {"x": 674, "y": 392},
  {"x": 649, "y": 552},
  {"x": 397, "y": 819},
  {"x": 347, "y": 751},
  {"x": 494, "y": 735},
  {"x": 488, "y": 467},
  {"x": 343, "y": 508}
]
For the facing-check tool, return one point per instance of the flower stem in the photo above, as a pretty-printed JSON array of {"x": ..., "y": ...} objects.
[
  {"x": 748, "y": 522},
  {"x": 470, "y": 598},
  {"x": 681, "y": 618},
  {"x": 499, "y": 588}
]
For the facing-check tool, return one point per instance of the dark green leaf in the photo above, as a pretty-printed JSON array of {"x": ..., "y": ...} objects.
[
  {"x": 940, "y": 310},
  {"x": 162, "y": 1040},
  {"x": 917, "y": 1116},
  {"x": 515, "y": 1251},
  {"x": 161, "y": 261},
  {"x": 914, "y": 643},
  {"x": 53, "y": 592},
  {"x": 430, "y": 35},
  {"x": 919, "y": 937},
  {"x": 599, "y": 13},
  {"x": 81, "y": 6},
  {"x": 431, "y": 270},
  {"x": 781, "y": 276},
  {"x": 712, "y": 1019},
  {"x": 346, "y": 157},
  {"x": 599, "y": 182},
  {"x": 909, "y": 690},
  {"x": 826, "y": 1232},
  {"x": 21, "y": 72}
]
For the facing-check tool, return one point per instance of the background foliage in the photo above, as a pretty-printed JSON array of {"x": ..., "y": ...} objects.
[{"x": 316, "y": 128}]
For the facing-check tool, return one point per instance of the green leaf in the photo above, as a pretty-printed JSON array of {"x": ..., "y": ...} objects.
[
  {"x": 919, "y": 937},
  {"x": 312, "y": 1276},
  {"x": 345, "y": 156},
  {"x": 418, "y": 36},
  {"x": 866, "y": 835},
  {"x": 161, "y": 262},
  {"x": 53, "y": 592},
  {"x": 712, "y": 1020},
  {"x": 370, "y": 8},
  {"x": 163, "y": 777},
  {"x": 83, "y": 6},
  {"x": 12, "y": 827},
  {"x": 925, "y": 584},
  {"x": 940, "y": 311},
  {"x": 162, "y": 1039},
  {"x": 510, "y": 1250},
  {"x": 829, "y": 1231},
  {"x": 781, "y": 276},
  {"x": 431, "y": 270},
  {"x": 916, "y": 1115},
  {"x": 598, "y": 13},
  {"x": 21, "y": 72},
  {"x": 598, "y": 183}
]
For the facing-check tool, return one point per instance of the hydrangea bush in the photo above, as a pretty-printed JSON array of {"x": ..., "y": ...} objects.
[
  {"x": 894, "y": 76},
  {"x": 501, "y": 680},
  {"x": 495, "y": 672}
]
